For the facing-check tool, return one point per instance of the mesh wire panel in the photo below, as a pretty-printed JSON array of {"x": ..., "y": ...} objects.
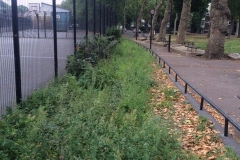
[
  {"x": 35, "y": 24},
  {"x": 7, "y": 75},
  {"x": 65, "y": 36},
  {"x": 80, "y": 19},
  {"x": 36, "y": 44},
  {"x": 98, "y": 18}
]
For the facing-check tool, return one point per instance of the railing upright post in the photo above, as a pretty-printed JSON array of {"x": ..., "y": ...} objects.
[
  {"x": 169, "y": 70},
  {"x": 201, "y": 104},
  {"x": 169, "y": 42},
  {"x": 176, "y": 77},
  {"x": 226, "y": 127},
  {"x": 185, "y": 91},
  {"x": 17, "y": 60}
]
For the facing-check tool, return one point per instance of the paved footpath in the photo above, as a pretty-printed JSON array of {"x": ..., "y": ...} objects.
[{"x": 219, "y": 80}]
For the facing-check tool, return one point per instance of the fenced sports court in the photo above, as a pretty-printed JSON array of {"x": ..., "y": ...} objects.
[{"x": 36, "y": 36}]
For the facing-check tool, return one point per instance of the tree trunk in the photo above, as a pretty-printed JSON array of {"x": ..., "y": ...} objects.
[
  {"x": 238, "y": 35},
  {"x": 219, "y": 21},
  {"x": 165, "y": 20},
  {"x": 155, "y": 16},
  {"x": 140, "y": 16},
  {"x": 182, "y": 28},
  {"x": 237, "y": 29},
  {"x": 175, "y": 24},
  {"x": 230, "y": 28},
  {"x": 208, "y": 33}
]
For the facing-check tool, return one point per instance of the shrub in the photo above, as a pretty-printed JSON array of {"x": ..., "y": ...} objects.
[
  {"x": 114, "y": 31},
  {"x": 89, "y": 53}
]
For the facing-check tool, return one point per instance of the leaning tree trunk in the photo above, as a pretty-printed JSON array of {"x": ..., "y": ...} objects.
[
  {"x": 155, "y": 16},
  {"x": 219, "y": 21},
  {"x": 165, "y": 20},
  {"x": 140, "y": 16},
  {"x": 182, "y": 28}
]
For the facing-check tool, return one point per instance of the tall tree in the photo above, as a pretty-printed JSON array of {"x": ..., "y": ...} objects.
[
  {"x": 140, "y": 15},
  {"x": 165, "y": 20},
  {"x": 22, "y": 9},
  {"x": 155, "y": 16},
  {"x": 219, "y": 15},
  {"x": 234, "y": 6},
  {"x": 182, "y": 28},
  {"x": 198, "y": 10}
]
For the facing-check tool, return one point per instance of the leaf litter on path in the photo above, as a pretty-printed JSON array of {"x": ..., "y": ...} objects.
[{"x": 197, "y": 134}]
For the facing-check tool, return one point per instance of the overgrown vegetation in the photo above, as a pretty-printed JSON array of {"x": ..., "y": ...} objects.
[
  {"x": 102, "y": 114},
  {"x": 114, "y": 31},
  {"x": 90, "y": 52}
]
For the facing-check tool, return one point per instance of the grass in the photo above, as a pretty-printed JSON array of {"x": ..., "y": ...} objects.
[{"x": 232, "y": 45}]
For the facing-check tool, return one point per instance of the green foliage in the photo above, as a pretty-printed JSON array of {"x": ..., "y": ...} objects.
[
  {"x": 230, "y": 154},
  {"x": 89, "y": 53},
  {"x": 202, "y": 123},
  {"x": 66, "y": 120},
  {"x": 234, "y": 7},
  {"x": 114, "y": 31}
]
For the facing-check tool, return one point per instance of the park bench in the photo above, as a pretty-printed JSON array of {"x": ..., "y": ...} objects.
[
  {"x": 164, "y": 40},
  {"x": 190, "y": 45}
]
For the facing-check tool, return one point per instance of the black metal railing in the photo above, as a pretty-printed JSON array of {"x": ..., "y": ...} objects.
[{"x": 227, "y": 120}]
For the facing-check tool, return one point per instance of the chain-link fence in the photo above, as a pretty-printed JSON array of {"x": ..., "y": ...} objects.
[{"x": 37, "y": 36}]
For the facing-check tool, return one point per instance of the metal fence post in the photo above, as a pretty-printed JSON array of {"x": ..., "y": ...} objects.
[
  {"x": 45, "y": 32},
  {"x": 74, "y": 26},
  {"x": 100, "y": 18},
  {"x": 104, "y": 19},
  {"x": 110, "y": 17},
  {"x": 16, "y": 52},
  {"x": 94, "y": 17},
  {"x": 107, "y": 16},
  {"x": 86, "y": 1},
  {"x": 55, "y": 38},
  {"x": 37, "y": 16}
]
